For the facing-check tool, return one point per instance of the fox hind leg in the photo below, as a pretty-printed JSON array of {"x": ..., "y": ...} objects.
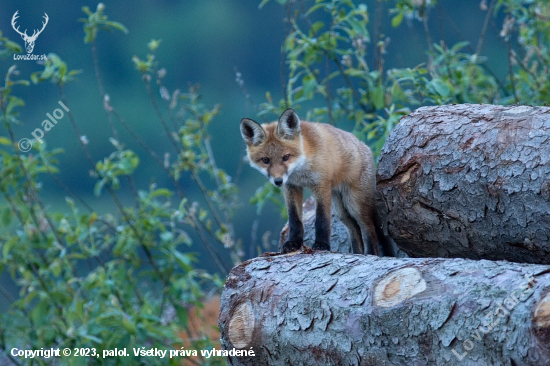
[
  {"x": 387, "y": 247},
  {"x": 362, "y": 211},
  {"x": 369, "y": 228},
  {"x": 354, "y": 230}
]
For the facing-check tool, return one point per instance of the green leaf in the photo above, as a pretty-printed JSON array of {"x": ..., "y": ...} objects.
[
  {"x": 154, "y": 44},
  {"x": 441, "y": 88},
  {"x": 39, "y": 313},
  {"x": 397, "y": 93},
  {"x": 184, "y": 260},
  {"x": 378, "y": 96},
  {"x": 396, "y": 20},
  {"x": 167, "y": 236},
  {"x": 316, "y": 26},
  {"x": 117, "y": 25},
  {"x": 87, "y": 10},
  {"x": 13, "y": 103},
  {"x": 262, "y": 4},
  {"x": 163, "y": 192},
  {"x": 128, "y": 324},
  {"x": 7, "y": 247},
  {"x": 99, "y": 187},
  {"x": 55, "y": 267}
]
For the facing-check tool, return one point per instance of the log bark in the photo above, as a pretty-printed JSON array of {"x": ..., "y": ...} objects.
[
  {"x": 469, "y": 181},
  {"x": 320, "y": 308}
]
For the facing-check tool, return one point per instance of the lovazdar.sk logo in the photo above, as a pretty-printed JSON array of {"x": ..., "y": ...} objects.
[{"x": 29, "y": 40}]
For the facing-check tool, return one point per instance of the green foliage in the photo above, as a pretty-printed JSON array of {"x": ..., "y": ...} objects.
[
  {"x": 119, "y": 163},
  {"x": 327, "y": 53},
  {"x": 121, "y": 280},
  {"x": 333, "y": 63},
  {"x": 525, "y": 31},
  {"x": 98, "y": 21},
  {"x": 55, "y": 70},
  {"x": 269, "y": 193},
  {"x": 7, "y": 47},
  {"x": 327, "y": 63}
]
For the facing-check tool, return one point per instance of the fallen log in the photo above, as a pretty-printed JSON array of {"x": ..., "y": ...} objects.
[
  {"x": 320, "y": 308},
  {"x": 469, "y": 181}
]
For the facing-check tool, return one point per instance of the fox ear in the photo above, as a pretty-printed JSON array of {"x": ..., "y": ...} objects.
[
  {"x": 289, "y": 124},
  {"x": 252, "y": 132}
]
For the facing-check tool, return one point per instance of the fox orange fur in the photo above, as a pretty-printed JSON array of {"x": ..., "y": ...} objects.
[{"x": 334, "y": 164}]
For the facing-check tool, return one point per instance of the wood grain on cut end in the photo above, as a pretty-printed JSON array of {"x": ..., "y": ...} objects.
[
  {"x": 241, "y": 325},
  {"x": 398, "y": 286},
  {"x": 541, "y": 320}
]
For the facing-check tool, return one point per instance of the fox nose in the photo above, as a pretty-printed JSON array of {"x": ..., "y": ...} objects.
[{"x": 278, "y": 182}]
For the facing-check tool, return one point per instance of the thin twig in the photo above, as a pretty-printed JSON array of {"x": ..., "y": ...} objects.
[
  {"x": 511, "y": 71},
  {"x": 350, "y": 85},
  {"x": 444, "y": 43},
  {"x": 101, "y": 90},
  {"x": 484, "y": 29},
  {"x": 425, "y": 16},
  {"x": 240, "y": 81},
  {"x": 378, "y": 15},
  {"x": 288, "y": 30}
]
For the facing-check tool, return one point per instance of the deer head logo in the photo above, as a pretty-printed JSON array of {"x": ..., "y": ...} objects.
[{"x": 29, "y": 41}]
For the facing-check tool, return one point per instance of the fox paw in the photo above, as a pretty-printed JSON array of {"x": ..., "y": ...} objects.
[
  {"x": 318, "y": 245},
  {"x": 291, "y": 246}
]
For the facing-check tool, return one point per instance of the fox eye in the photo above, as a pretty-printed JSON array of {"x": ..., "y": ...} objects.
[
  {"x": 265, "y": 160},
  {"x": 286, "y": 157}
]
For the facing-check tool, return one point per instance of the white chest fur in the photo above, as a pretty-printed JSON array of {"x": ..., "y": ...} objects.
[{"x": 301, "y": 175}]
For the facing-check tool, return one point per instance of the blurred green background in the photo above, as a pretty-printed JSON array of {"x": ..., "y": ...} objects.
[{"x": 203, "y": 42}]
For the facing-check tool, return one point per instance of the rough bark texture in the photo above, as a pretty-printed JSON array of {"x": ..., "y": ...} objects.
[
  {"x": 469, "y": 181},
  {"x": 319, "y": 308},
  {"x": 340, "y": 240}
]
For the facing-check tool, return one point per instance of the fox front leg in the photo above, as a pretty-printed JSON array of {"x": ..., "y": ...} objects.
[
  {"x": 293, "y": 199},
  {"x": 323, "y": 196}
]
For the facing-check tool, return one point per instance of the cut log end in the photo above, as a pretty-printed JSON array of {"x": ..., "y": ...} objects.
[
  {"x": 541, "y": 320},
  {"x": 241, "y": 325},
  {"x": 398, "y": 286}
]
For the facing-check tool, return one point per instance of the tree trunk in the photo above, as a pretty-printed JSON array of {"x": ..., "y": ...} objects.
[
  {"x": 319, "y": 308},
  {"x": 469, "y": 181}
]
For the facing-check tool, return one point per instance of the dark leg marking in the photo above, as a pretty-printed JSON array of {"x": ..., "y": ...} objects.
[
  {"x": 387, "y": 247},
  {"x": 322, "y": 227},
  {"x": 293, "y": 197}
]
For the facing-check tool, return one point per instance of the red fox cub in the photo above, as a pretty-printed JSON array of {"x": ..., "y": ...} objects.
[{"x": 334, "y": 164}]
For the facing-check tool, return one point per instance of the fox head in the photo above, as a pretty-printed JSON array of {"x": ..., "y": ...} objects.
[{"x": 276, "y": 148}]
